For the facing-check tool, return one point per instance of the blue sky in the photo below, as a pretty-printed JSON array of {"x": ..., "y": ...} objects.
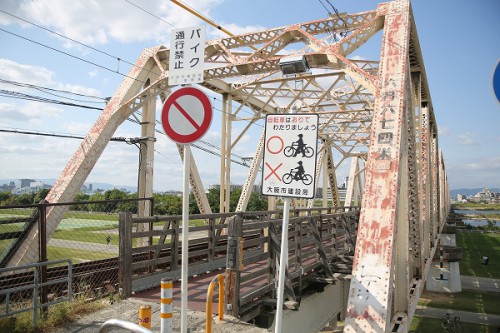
[{"x": 459, "y": 41}]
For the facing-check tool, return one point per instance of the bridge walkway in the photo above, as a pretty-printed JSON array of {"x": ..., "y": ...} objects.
[{"x": 321, "y": 245}]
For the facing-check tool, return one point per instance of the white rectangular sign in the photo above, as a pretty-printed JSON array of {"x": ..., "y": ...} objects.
[
  {"x": 187, "y": 56},
  {"x": 290, "y": 149}
]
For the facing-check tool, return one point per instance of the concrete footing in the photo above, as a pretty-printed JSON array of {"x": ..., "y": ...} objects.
[
  {"x": 316, "y": 310},
  {"x": 444, "y": 276}
]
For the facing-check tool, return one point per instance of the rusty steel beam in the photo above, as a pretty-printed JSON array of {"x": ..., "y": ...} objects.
[{"x": 382, "y": 235}]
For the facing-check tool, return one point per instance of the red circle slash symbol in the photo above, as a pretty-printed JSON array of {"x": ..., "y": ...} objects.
[{"x": 186, "y": 115}]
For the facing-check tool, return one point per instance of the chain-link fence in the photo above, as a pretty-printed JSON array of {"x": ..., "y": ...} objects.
[{"x": 84, "y": 232}]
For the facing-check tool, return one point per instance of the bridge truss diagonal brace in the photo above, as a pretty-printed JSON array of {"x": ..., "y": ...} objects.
[
  {"x": 377, "y": 259},
  {"x": 127, "y": 99},
  {"x": 196, "y": 184}
]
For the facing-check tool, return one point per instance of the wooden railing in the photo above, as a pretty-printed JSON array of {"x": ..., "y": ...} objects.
[{"x": 247, "y": 244}]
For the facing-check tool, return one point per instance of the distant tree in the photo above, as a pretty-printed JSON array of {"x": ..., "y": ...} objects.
[
  {"x": 213, "y": 196},
  {"x": 166, "y": 204},
  {"x": 193, "y": 205},
  {"x": 114, "y": 194},
  {"x": 82, "y": 197},
  {"x": 234, "y": 198},
  {"x": 97, "y": 207},
  {"x": 40, "y": 195},
  {"x": 128, "y": 206},
  {"x": 257, "y": 202},
  {"x": 7, "y": 199},
  {"x": 25, "y": 199}
]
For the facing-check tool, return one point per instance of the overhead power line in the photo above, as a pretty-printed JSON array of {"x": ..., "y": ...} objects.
[
  {"x": 18, "y": 95},
  {"x": 206, "y": 19},
  {"x": 13, "y": 94},
  {"x": 68, "y": 136},
  {"x": 69, "y": 55},
  {"x": 148, "y": 12},
  {"x": 49, "y": 90},
  {"x": 118, "y": 59}
]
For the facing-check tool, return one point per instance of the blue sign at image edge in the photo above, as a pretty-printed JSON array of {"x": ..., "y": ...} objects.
[{"x": 496, "y": 81}]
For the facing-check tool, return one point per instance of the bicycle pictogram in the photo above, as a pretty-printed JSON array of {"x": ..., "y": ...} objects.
[
  {"x": 291, "y": 150},
  {"x": 298, "y": 147},
  {"x": 451, "y": 324},
  {"x": 292, "y": 175}
]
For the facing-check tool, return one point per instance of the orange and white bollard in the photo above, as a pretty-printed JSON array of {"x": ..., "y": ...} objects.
[
  {"x": 166, "y": 306},
  {"x": 145, "y": 316}
]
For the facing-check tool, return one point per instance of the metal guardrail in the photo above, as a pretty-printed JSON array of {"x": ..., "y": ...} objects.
[
  {"x": 208, "y": 308},
  {"x": 35, "y": 286}
]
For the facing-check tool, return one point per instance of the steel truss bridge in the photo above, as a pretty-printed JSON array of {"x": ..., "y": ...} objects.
[{"x": 375, "y": 114}]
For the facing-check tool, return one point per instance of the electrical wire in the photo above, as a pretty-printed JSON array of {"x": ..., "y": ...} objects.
[
  {"x": 13, "y": 94},
  {"x": 146, "y": 11},
  {"x": 75, "y": 41},
  {"x": 346, "y": 28},
  {"x": 48, "y": 91},
  {"x": 71, "y": 55},
  {"x": 18, "y": 95},
  {"x": 67, "y": 136}
]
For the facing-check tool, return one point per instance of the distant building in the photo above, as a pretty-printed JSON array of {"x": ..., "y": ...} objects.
[
  {"x": 28, "y": 186},
  {"x": 86, "y": 189},
  {"x": 24, "y": 183},
  {"x": 232, "y": 187},
  {"x": 8, "y": 187},
  {"x": 486, "y": 196}
]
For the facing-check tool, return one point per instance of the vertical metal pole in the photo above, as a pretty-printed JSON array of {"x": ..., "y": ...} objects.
[
  {"x": 35, "y": 300},
  {"x": 224, "y": 156},
  {"x": 441, "y": 266},
  {"x": 283, "y": 265},
  {"x": 185, "y": 239},
  {"x": 42, "y": 209},
  {"x": 125, "y": 253},
  {"x": 166, "y": 306}
]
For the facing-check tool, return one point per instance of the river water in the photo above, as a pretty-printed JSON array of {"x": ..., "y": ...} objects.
[{"x": 479, "y": 221}]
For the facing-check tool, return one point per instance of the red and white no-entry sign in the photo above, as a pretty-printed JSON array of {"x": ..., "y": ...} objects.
[{"x": 186, "y": 115}]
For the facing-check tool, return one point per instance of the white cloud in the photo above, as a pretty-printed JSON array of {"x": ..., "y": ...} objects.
[
  {"x": 37, "y": 75},
  {"x": 13, "y": 71},
  {"x": 467, "y": 138},
  {"x": 29, "y": 112},
  {"x": 444, "y": 131},
  {"x": 98, "y": 22},
  {"x": 235, "y": 29},
  {"x": 93, "y": 73}
]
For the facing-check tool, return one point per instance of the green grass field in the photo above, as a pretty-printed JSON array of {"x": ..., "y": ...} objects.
[
  {"x": 426, "y": 325},
  {"x": 76, "y": 255},
  {"x": 476, "y": 245},
  {"x": 473, "y": 301}
]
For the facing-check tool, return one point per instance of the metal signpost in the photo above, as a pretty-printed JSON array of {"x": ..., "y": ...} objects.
[
  {"x": 186, "y": 117},
  {"x": 289, "y": 171}
]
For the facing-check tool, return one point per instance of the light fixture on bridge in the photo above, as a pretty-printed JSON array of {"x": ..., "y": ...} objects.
[{"x": 293, "y": 65}]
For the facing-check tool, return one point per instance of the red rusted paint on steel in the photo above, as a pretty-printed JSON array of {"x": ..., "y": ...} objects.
[{"x": 370, "y": 295}]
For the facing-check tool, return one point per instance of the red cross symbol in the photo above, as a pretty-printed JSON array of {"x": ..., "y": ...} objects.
[{"x": 273, "y": 171}]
